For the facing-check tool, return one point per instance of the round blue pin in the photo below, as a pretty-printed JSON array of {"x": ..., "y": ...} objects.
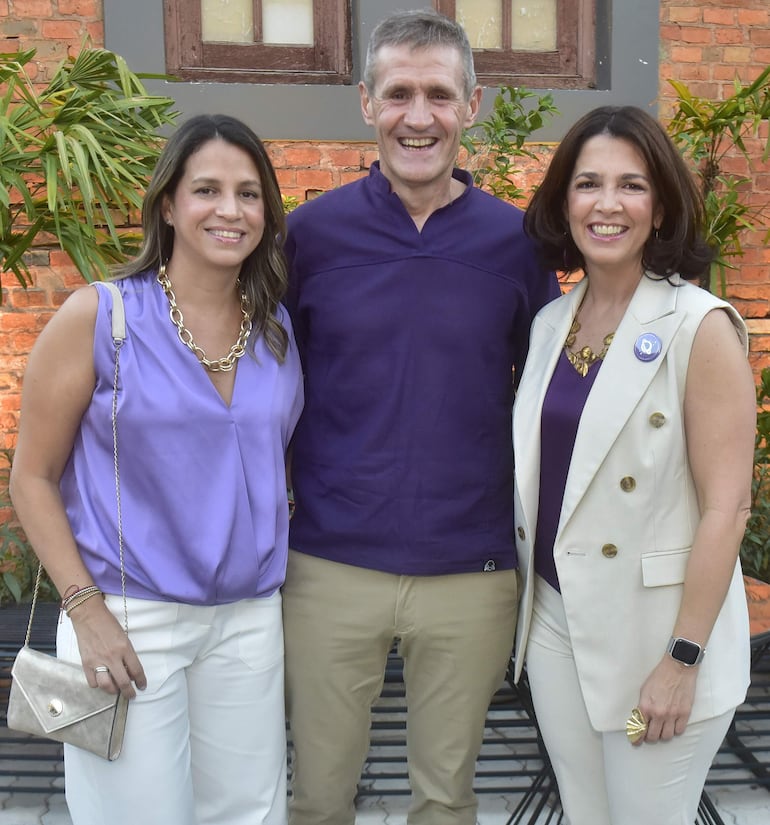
[{"x": 647, "y": 346}]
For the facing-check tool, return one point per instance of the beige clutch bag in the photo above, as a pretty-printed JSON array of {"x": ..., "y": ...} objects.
[{"x": 51, "y": 698}]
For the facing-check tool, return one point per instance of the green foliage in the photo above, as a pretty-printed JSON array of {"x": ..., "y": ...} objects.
[
  {"x": 290, "y": 203},
  {"x": 495, "y": 144},
  {"x": 18, "y": 564},
  {"x": 755, "y": 549},
  {"x": 75, "y": 158},
  {"x": 706, "y": 130}
]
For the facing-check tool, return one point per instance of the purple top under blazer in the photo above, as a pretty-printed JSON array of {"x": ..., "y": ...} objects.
[
  {"x": 203, "y": 484},
  {"x": 402, "y": 461},
  {"x": 562, "y": 407}
]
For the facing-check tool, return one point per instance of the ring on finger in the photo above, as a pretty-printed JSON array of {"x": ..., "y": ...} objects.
[
  {"x": 101, "y": 669},
  {"x": 636, "y": 726}
]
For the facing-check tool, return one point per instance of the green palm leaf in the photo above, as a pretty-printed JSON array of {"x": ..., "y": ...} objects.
[{"x": 75, "y": 158}]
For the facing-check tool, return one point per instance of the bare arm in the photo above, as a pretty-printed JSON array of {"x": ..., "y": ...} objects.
[
  {"x": 720, "y": 422},
  {"x": 58, "y": 385}
]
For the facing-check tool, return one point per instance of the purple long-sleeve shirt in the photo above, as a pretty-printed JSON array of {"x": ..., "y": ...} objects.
[{"x": 402, "y": 461}]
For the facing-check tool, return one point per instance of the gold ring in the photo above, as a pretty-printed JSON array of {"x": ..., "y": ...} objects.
[{"x": 636, "y": 726}]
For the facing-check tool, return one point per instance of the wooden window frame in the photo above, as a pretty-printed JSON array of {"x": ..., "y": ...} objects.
[
  {"x": 328, "y": 61},
  {"x": 571, "y": 66}
]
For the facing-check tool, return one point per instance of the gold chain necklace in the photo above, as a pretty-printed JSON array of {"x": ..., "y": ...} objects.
[
  {"x": 584, "y": 357},
  {"x": 185, "y": 336}
]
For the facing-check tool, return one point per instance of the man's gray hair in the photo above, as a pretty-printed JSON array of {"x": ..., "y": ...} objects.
[{"x": 419, "y": 29}]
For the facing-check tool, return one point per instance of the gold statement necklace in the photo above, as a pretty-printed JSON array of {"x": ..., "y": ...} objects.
[
  {"x": 583, "y": 358},
  {"x": 185, "y": 336}
]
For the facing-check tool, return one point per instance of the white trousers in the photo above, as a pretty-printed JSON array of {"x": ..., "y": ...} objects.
[
  {"x": 205, "y": 743},
  {"x": 602, "y": 779}
]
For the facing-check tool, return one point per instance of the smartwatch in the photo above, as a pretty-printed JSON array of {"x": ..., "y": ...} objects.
[{"x": 684, "y": 651}]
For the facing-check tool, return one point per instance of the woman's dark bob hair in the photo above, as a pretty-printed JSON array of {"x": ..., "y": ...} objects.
[{"x": 678, "y": 245}]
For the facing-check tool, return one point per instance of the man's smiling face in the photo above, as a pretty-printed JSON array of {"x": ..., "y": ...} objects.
[{"x": 419, "y": 110}]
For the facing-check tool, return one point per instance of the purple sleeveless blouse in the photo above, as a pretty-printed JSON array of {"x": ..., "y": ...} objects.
[
  {"x": 562, "y": 407},
  {"x": 203, "y": 484}
]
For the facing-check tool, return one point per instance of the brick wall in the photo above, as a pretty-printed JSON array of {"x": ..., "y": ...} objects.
[
  {"x": 706, "y": 46},
  {"x": 702, "y": 45}
]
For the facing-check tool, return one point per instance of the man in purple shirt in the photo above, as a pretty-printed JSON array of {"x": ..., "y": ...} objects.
[{"x": 411, "y": 294}]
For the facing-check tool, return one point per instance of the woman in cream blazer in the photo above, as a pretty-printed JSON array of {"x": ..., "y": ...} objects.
[{"x": 635, "y": 618}]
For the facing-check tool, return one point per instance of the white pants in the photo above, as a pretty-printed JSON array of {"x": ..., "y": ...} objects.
[
  {"x": 602, "y": 779},
  {"x": 205, "y": 743}
]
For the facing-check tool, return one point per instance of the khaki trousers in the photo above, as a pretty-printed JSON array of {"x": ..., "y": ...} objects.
[{"x": 455, "y": 634}]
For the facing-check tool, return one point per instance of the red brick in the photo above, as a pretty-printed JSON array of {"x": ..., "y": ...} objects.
[
  {"x": 753, "y": 17},
  {"x": 684, "y": 14},
  {"x": 719, "y": 17},
  {"x": 748, "y": 292},
  {"x": 32, "y": 8},
  {"x": 23, "y": 341},
  {"x": 302, "y": 155},
  {"x": 9, "y": 402},
  {"x": 737, "y": 54},
  {"x": 62, "y": 29},
  {"x": 59, "y": 259},
  {"x": 693, "y": 71},
  {"x": 73, "y": 279},
  {"x": 59, "y": 296},
  {"x": 695, "y": 34},
  {"x": 286, "y": 177},
  {"x": 11, "y": 322},
  {"x": 27, "y": 298},
  {"x": 341, "y": 158},
  {"x": 686, "y": 54},
  {"x": 669, "y": 32},
  {"x": 314, "y": 179},
  {"x": 80, "y": 8},
  {"x": 728, "y": 36},
  {"x": 704, "y": 89},
  {"x": 754, "y": 274}
]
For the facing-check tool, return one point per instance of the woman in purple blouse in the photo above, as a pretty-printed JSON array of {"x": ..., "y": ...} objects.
[{"x": 209, "y": 393}]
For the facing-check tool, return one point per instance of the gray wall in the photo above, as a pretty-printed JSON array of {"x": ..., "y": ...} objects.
[{"x": 627, "y": 49}]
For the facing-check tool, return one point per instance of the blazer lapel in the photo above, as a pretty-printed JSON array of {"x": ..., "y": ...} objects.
[
  {"x": 622, "y": 380},
  {"x": 549, "y": 330}
]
